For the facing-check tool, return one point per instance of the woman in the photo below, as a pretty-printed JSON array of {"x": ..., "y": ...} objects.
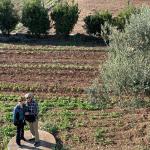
[{"x": 19, "y": 120}]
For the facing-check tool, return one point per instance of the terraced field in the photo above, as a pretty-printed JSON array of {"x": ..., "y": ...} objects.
[
  {"x": 77, "y": 124},
  {"x": 58, "y": 76},
  {"x": 61, "y": 72}
]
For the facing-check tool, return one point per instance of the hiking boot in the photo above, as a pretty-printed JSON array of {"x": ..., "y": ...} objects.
[
  {"x": 32, "y": 139},
  {"x": 24, "y": 139},
  {"x": 19, "y": 145},
  {"x": 36, "y": 144}
]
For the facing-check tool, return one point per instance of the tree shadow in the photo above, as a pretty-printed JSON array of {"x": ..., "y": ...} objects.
[
  {"x": 59, "y": 143},
  {"x": 54, "y": 40}
]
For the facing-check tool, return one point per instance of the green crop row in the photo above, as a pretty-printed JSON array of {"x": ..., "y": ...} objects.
[
  {"x": 37, "y": 88},
  {"x": 64, "y": 102},
  {"x": 62, "y": 110},
  {"x": 47, "y": 66}
]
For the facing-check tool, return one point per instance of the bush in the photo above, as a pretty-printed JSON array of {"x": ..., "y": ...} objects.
[
  {"x": 123, "y": 17},
  {"x": 127, "y": 70},
  {"x": 65, "y": 17},
  {"x": 93, "y": 23},
  {"x": 8, "y": 17},
  {"x": 35, "y": 17},
  {"x": 98, "y": 95}
]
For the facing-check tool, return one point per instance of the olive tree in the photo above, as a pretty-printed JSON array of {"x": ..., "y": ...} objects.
[{"x": 127, "y": 69}]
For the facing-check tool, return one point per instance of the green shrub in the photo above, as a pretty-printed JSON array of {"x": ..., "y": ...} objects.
[
  {"x": 65, "y": 17},
  {"x": 98, "y": 96},
  {"x": 123, "y": 17},
  {"x": 127, "y": 69},
  {"x": 35, "y": 17},
  {"x": 8, "y": 17},
  {"x": 93, "y": 23}
]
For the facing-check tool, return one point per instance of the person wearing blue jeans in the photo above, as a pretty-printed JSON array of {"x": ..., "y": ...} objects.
[{"x": 19, "y": 120}]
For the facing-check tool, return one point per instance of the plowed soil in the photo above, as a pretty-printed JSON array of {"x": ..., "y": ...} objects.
[{"x": 70, "y": 71}]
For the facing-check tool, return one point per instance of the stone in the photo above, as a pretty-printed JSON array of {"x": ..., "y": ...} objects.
[{"x": 47, "y": 142}]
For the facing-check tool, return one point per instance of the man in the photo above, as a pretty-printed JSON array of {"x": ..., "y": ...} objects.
[{"x": 31, "y": 116}]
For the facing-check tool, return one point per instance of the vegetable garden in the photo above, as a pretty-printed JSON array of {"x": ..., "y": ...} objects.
[
  {"x": 53, "y": 72},
  {"x": 82, "y": 113},
  {"x": 59, "y": 77}
]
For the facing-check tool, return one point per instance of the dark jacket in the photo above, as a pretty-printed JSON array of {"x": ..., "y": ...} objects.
[
  {"x": 32, "y": 108},
  {"x": 19, "y": 115}
]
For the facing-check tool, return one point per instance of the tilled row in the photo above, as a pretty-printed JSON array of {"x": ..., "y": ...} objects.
[{"x": 53, "y": 56}]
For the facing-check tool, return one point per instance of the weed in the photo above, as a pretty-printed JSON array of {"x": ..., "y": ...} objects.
[
  {"x": 115, "y": 114},
  {"x": 52, "y": 128},
  {"x": 120, "y": 123},
  {"x": 80, "y": 123},
  {"x": 110, "y": 115},
  {"x": 100, "y": 134},
  {"x": 76, "y": 138},
  {"x": 9, "y": 131},
  {"x": 8, "y": 117}
]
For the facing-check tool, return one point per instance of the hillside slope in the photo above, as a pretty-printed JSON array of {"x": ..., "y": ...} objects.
[{"x": 88, "y": 6}]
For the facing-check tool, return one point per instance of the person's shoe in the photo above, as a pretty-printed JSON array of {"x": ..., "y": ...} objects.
[
  {"x": 19, "y": 144},
  {"x": 24, "y": 139},
  {"x": 32, "y": 139},
  {"x": 37, "y": 143}
]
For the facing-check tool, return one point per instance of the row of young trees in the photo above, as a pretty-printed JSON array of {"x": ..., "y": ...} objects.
[
  {"x": 36, "y": 18},
  {"x": 95, "y": 22}
]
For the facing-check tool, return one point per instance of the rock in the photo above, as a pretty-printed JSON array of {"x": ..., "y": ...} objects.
[{"x": 47, "y": 142}]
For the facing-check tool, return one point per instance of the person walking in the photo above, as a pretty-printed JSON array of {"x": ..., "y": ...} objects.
[
  {"x": 31, "y": 115},
  {"x": 19, "y": 120}
]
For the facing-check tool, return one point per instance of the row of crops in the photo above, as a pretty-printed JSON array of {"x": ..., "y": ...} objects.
[
  {"x": 47, "y": 69},
  {"x": 77, "y": 123},
  {"x": 66, "y": 104}
]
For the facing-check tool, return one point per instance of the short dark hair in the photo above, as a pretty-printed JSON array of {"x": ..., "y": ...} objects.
[{"x": 21, "y": 99}]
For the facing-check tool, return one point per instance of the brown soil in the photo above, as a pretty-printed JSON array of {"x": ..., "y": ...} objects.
[
  {"x": 67, "y": 81},
  {"x": 54, "y": 57},
  {"x": 129, "y": 131},
  {"x": 89, "y": 6}
]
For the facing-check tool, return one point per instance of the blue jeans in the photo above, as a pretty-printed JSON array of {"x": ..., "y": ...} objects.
[{"x": 20, "y": 133}]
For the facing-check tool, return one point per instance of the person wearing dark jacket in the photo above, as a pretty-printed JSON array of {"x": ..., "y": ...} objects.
[
  {"x": 19, "y": 120},
  {"x": 31, "y": 116}
]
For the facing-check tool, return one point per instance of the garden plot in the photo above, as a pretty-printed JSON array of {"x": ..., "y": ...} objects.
[{"x": 45, "y": 70}]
